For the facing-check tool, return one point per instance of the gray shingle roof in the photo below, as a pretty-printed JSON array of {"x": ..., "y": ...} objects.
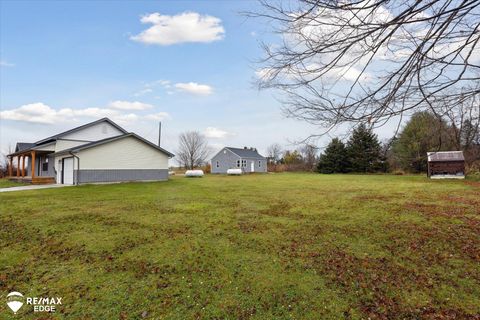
[
  {"x": 246, "y": 153},
  {"x": 445, "y": 156},
  {"x": 23, "y": 146}
]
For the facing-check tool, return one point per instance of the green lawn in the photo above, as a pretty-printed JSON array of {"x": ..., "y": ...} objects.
[
  {"x": 5, "y": 183},
  {"x": 276, "y": 246}
]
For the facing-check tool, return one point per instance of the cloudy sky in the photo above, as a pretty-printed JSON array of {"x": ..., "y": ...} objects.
[{"x": 190, "y": 65}]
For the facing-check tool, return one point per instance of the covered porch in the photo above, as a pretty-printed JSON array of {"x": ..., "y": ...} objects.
[{"x": 37, "y": 171}]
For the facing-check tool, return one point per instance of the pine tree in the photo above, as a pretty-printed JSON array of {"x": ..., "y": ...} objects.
[
  {"x": 334, "y": 159},
  {"x": 364, "y": 150}
]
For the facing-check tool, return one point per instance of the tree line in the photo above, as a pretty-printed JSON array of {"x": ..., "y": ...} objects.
[{"x": 363, "y": 152}]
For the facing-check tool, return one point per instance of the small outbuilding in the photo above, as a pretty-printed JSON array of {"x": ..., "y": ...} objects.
[
  {"x": 246, "y": 159},
  {"x": 446, "y": 164}
]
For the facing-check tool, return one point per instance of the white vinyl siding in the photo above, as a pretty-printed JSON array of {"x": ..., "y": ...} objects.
[
  {"x": 95, "y": 132},
  {"x": 67, "y": 144},
  {"x": 46, "y": 147},
  {"x": 125, "y": 153}
]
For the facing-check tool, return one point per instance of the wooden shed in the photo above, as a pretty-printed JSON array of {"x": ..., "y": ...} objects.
[{"x": 446, "y": 164}]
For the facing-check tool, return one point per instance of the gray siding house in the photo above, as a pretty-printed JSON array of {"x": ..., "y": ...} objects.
[{"x": 247, "y": 159}]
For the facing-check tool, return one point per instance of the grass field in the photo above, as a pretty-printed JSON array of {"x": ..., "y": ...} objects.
[
  {"x": 276, "y": 246},
  {"x": 5, "y": 183}
]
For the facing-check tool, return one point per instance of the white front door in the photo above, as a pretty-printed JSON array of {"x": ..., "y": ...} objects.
[
  {"x": 67, "y": 171},
  {"x": 252, "y": 166}
]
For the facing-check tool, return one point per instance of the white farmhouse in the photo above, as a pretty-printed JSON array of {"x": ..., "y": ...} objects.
[{"x": 100, "y": 151}]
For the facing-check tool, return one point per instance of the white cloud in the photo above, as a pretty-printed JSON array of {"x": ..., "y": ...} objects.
[
  {"x": 215, "y": 133},
  {"x": 142, "y": 92},
  {"x": 195, "y": 88},
  {"x": 33, "y": 112},
  {"x": 41, "y": 113},
  {"x": 158, "y": 116},
  {"x": 4, "y": 63},
  {"x": 185, "y": 27},
  {"x": 169, "y": 88},
  {"x": 130, "y": 105}
]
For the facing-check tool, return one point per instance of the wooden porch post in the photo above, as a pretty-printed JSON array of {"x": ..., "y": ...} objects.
[
  {"x": 10, "y": 169},
  {"x": 23, "y": 166},
  {"x": 18, "y": 166},
  {"x": 33, "y": 165}
]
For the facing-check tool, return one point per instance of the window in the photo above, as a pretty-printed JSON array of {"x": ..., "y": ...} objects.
[
  {"x": 42, "y": 163},
  {"x": 259, "y": 163},
  {"x": 238, "y": 163},
  {"x": 244, "y": 163},
  {"x": 218, "y": 164}
]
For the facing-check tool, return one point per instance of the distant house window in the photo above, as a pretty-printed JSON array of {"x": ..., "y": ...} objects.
[
  {"x": 45, "y": 166},
  {"x": 218, "y": 164},
  {"x": 259, "y": 163},
  {"x": 238, "y": 163},
  {"x": 244, "y": 163}
]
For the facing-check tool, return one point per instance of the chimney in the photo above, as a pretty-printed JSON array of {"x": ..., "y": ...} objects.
[
  {"x": 159, "y": 132},
  {"x": 245, "y": 148}
]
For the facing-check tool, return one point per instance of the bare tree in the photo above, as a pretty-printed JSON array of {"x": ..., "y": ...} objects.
[
  {"x": 309, "y": 156},
  {"x": 370, "y": 61},
  {"x": 464, "y": 120},
  {"x": 193, "y": 149},
  {"x": 274, "y": 152},
  {"x": 4, "y": 161}
]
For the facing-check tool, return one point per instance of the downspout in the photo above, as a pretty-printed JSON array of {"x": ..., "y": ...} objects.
[{"x": 78, "y": 167}]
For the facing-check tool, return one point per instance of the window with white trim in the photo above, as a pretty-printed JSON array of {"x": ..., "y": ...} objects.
[
  {"x": 259, "y": 163},
  {"x": 244, "y": 163},
  {"x": 238, "y": 163},
  {"x": 218, "y": 164}
]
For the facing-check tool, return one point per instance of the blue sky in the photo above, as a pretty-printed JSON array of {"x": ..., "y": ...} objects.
[{"x": 67, "y": 63}]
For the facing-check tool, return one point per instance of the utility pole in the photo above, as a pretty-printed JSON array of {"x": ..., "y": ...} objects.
[{"x": 159, "y": 132}]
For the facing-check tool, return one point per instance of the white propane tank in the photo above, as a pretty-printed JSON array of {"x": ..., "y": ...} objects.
[
  {"x": 235, "y": 172},
  {"x": 194, "y": 173}
]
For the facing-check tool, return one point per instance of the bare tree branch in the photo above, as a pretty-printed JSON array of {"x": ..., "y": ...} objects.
[{"x": 370, "y": 61}]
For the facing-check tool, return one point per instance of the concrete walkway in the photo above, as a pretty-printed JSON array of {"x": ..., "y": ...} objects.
[{"x": 33, "y": 187}]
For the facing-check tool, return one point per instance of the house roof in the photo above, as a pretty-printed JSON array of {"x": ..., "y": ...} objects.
[
  {"x": 111, "y": 139},
  {"x": 246, "y": 152},
  {"x": 54, "y": 137},
  {"x": 23, "y": 146},
  {"x": 445, "y": 156}
]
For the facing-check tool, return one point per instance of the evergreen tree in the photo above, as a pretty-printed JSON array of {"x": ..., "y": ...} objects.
[
  {"x": 364, "y": 150},
  {"x": 334, "y": 159},
  {"x": 423, "y": 133}
]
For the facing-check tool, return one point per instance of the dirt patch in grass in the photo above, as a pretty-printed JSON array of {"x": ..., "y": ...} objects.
[
  {"x": 463, "y": 213},
  {"x": 436, "y": 243},
  {"x": 373, "y": 281},
  {"x": 372, "y": 197},
  {"x": 475, "y": 202},
  {"x": 473, "y": 183},
  {"x": 250, "y": 226},
  {"x": 277, "y": 209}
]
